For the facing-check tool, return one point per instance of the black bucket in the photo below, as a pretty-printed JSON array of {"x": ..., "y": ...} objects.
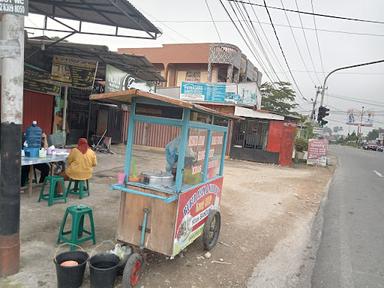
[
  {"x": 71, "y": 277},
  {"x": 103, "y": 268}
]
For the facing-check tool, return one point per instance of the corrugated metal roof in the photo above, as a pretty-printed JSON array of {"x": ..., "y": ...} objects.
[
  {"x": 119, "y": 13},
  {"x": 138, "y": 66},
  {"x": 249, "y": 113}
]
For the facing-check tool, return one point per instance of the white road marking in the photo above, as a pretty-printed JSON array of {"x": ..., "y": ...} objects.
[{"x": 378, "y": 174}]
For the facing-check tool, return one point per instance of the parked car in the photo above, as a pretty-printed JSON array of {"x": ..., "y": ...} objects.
[{"x": 370, "y": 146}]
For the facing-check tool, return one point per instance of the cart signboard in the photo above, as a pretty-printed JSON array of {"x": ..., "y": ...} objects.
[
  {"x": 15, "y": 7},
  {"x": 192, "y": 211},
  {"x": 317, "y": 152}
]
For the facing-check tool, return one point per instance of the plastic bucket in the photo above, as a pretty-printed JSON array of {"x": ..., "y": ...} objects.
[
  {"x": 70, "y": 277},
  {"x": 103, "y": 270}
]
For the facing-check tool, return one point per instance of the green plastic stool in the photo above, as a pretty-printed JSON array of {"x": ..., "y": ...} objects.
[
  {"x": 80, "y": 188},
  {"x": 52, "y": 196},
  {"x": 77, "y": 234}
]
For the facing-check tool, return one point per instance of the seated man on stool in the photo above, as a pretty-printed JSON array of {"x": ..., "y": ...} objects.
[
  {"x": 43, "y": 168},
  {"x": 80, "y": 163}
]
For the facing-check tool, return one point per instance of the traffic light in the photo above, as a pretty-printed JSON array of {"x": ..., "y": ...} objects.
[{"x": 323, "y": 112}]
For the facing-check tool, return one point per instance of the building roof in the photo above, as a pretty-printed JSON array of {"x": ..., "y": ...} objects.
[
  {"x": 173, "y": 53},
  {"x": 106, "y": 12},
  {"x": 127, "y": 95},
  {"x": 138, "y": 66},
  {"x": 250, "y": 113}
]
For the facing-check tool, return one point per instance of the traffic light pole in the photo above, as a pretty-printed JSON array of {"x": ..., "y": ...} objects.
[
  {"x": 343, "y": 68},
  {"x": 313, "y": 116}
]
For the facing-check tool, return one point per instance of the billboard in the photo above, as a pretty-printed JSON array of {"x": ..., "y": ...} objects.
[
  {"x": 242, "y": 93},
  {"x": 360, "y": 117}
]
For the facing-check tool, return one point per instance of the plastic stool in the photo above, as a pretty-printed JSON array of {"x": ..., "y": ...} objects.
[
  {"x": 77, "y": 233},
  {"x": 80, "y": 187},
  {"x": 52, "y": 196}
]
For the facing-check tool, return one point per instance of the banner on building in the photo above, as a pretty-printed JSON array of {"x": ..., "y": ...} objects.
[
  {"x": 118, "y": 80},
  {"x": 317, "y": 152},
  {"x": 15, "y": 7},
  {"x": 38, "y": 80},
  {"x": 76, "y": 72},
  {"x": 360, "y": 118},
  {"x": 242, "y": 93}
]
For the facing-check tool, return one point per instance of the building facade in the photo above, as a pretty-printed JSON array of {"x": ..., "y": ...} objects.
[{"x": 199, "y": 62}]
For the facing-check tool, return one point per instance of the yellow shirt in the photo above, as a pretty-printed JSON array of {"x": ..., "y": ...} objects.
[{"x": 80, "y": 166}]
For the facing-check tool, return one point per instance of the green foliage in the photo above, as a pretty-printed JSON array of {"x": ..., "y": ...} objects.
[
  {"x": 374, "y": 134},
  {"x": 301, "y": 144},
  {"x": 280, "y": 100}
]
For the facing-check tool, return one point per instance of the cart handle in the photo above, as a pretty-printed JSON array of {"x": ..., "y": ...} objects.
[{"x": 131, "y": 191}]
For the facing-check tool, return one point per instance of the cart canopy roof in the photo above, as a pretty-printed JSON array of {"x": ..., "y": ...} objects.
[{"x": 127, "y": 95}]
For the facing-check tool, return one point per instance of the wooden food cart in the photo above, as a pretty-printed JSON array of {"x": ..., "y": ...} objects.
[{"x": 166, "y": 211}]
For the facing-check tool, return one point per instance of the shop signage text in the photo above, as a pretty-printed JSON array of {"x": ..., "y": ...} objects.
[{"x": 15, "y": 7}]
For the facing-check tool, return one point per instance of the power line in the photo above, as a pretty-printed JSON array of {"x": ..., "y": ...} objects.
[
  {"x": 282, "y": 51},
  {"x": 317, "y": 38},
  {"x": 266, "y": 38},
  {"x": 277, "y": 25},
  {"x": 242, "y": 37},
  {"x": 213, "y": 21},
  {"x": 253, "y": 31},
  {"x": 355, "y": 100},
  {"x": 297, "y": 45},
  {"x": 315, "y": 14},
  {"x": 306, "y": 43}
]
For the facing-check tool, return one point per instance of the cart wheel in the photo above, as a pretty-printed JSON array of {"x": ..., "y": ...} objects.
[
  {"x": 211, "y": 230},
  {"x": 132, "y": 270}
]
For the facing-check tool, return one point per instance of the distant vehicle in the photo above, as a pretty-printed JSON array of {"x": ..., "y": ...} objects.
[
  {"x": 370, "y": 146},
  {"x": 380, "y": 148}
]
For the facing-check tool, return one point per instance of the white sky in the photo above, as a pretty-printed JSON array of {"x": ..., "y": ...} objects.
[{"x": 337, "y": 49}]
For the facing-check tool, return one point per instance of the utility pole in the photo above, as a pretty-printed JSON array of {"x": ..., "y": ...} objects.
[
  {"x": 12, "y": 31},
  {"x": 342, "y": 68},
  {"x": 360, "y": 124},
  {"x": 313, "y": 115}
]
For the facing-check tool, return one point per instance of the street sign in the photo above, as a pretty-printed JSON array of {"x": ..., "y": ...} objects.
[
  {"x": 15, "y": 7},
  {"x": 317, "y": 152}
]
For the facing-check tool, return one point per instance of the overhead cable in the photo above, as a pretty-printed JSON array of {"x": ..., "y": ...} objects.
[
  {"x": 242, "y": 37},
  {"x": 315, "y": 14},
  {"x": 317, "y": 38},
  {"x": 282, "y": 52},
  {"x": 297, "y": 45},
  {"x": 213, "y": 21}
]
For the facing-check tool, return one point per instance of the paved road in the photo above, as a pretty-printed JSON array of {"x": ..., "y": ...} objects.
[{"x": 351, "y": 252}]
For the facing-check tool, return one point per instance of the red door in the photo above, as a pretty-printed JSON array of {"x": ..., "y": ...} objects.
[
  {"x": 39, "y": 107},
  {"x": 287, "y": 142}
]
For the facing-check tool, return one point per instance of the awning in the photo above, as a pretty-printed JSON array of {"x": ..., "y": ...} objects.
[
  {"x": 249, "y": 113},
  {"x": 127, "y": 95},
  {"x": 116, "y": 13},
  {"x": 138, "y": 66}
]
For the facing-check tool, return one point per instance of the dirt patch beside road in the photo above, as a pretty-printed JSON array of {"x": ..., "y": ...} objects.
[{"x": 261, "y": 206}]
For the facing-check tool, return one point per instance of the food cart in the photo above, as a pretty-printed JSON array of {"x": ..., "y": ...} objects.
[{"x": 165, "y": 211}]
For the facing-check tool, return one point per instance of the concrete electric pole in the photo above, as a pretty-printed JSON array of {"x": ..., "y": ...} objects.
[{"x": 12, "y": 78}]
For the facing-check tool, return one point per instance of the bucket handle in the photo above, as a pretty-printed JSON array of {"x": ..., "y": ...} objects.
[
  {"x": 99, "y": 245},
  {"x": 64, "y": 244}
]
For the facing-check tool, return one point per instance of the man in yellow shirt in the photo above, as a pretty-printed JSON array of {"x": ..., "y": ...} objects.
[{"x": 80, "y": 163}]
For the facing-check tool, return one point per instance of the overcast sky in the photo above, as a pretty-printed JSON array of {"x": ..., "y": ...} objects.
[{"x": 185, "y": 21}]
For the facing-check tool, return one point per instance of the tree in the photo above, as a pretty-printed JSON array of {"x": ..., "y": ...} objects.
[
  {"x": 374, "y": 134},
  {"x": 280, "y": 100}
]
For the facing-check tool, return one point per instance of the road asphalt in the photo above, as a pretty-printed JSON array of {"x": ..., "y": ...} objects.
[{"x": 351, "y": 252}]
